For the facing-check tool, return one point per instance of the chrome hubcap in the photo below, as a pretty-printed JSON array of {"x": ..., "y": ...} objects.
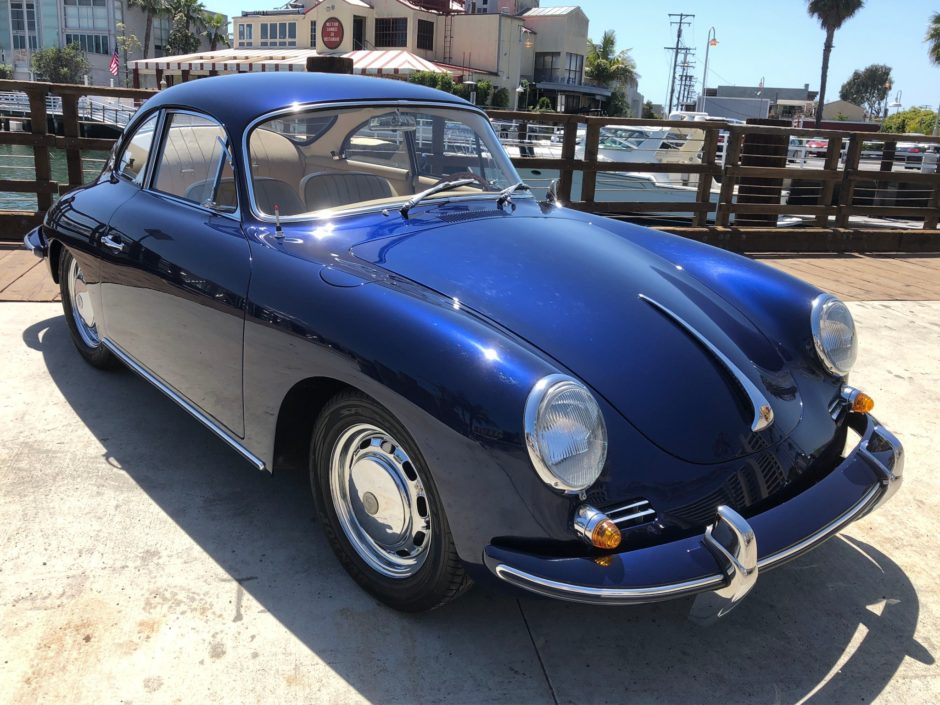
[
  {"x": 82, "y": 309},
  {"x": 380, "y": 501}
]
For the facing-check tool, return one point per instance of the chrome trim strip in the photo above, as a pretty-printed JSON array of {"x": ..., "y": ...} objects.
[
  {"x": 625, "y": 507},
  {"x": 610, "y": 596},
  {"x": 631, "y": 517},
  {"x": 185, "y": 404},
  {"x": 763, "y": 411}
]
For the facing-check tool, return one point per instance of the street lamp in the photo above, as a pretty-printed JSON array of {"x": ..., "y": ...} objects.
[
  {"x": 897, "y": 102},
  {"x": 712, "y": 42},
  {"x": 519, "y": 91}
]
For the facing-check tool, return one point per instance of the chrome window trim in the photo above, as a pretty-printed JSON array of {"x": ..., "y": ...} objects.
[
  {"x": 754, "y": 395},
  {"x": 328, "y": 215},
  {"x": 185, "y": 404},
  {"x": 148, "y": 168},
  {"x": 150, "y": 185}
]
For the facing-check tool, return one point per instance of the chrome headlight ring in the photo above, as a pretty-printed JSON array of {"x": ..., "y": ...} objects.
[
  {"x": 565, "y": 433},
  {"x": 834, "y": 335}
]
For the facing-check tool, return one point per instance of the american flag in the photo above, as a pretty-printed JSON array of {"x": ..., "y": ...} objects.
[{"x": 115, "y": 62}]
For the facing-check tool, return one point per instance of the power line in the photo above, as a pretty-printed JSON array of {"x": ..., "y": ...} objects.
[{"x": 682, "y": 21}]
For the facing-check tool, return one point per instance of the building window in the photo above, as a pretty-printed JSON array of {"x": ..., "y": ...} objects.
[
  {"x": 245, "y": 32},
  {"x": 313, "y": 34},
  {"x": 547, "y": 66},
  {"x": 426, "y": 35},
  {"x": 86, "y": 14},
  {"x": 278, "y": 34},
  {"x": 161, "y": 33},
  {"x": 90, "y": 43},
  {"x": 23, "y": 24},
  {"x": 574, "y": 70},
  {"x": 391, "y": 31}
]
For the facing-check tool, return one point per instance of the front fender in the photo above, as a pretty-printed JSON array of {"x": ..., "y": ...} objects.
[{"x": 456, "y": 382}]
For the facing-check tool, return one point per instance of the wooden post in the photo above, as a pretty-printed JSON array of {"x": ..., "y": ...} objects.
[
  {"x": 930, "y": 222},
  {"x": 591, "y": 143},
  {"x": 136, "y": 79},
  {"x": 568, "y": 146},
  {"x": 732, "y": 156},
  {"x": 888, "y": 153},
  {"x": 184, "y": 75},
  {"x": 71, "y": 130},
  {"x": 38, "y": 121},
  {"x": 710, "y": 158},
  {"x": 762, "y": 150},
  {"x": 833, "y": 152},
  {"x": 849, "y": 172}
]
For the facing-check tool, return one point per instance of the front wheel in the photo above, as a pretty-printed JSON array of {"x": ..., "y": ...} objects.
[
  {"x": 379, "y": 507},
  {"x": 80, "y": 313}
]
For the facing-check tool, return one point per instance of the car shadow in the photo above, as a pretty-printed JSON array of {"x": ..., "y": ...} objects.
[{"x": 833, "y": 626}]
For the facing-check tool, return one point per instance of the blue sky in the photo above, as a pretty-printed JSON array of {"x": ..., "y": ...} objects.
[{"x": 757, "y": 38}]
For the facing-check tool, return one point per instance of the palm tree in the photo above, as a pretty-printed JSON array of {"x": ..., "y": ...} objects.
[
  {"x": 831, "y": 14},
  {"x": 933, "y": 38},
  {"x": 605, "y": 65},
  {"x": 151, "y": 9},
  {"x": 190, "y": 14},
  {"x": 216, "y": 31}
]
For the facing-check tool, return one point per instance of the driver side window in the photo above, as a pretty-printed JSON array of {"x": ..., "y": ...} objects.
[{"x": 136, "y": 154}]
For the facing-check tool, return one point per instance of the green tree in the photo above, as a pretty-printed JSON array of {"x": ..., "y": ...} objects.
[
  {"x": 933, "y": 38},
  {"x": 831, "y": 14},
  {"x": 484, "y": 88},
  {"x": 868, "y": 88},
  {"x": 544, "y": 105},
  {"x": 6, "y": 71},
  {"x": 617, "y": 105},
  {"x": 918, "y": 120},
  {"x": 605, "y": 65},
  {"x": 216, "y": 30},
  {"x": 151, "y": 9},
  {"x": 61, "y": 65},
  {"x": 188, "y": 17},
  {"x": 501, "y": 98},
  {"x": 648, "y": 111},
  {"x": 424, "y": 78}
]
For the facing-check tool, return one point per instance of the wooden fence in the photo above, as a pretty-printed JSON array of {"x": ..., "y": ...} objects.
[{"x": 737, "y": 185}]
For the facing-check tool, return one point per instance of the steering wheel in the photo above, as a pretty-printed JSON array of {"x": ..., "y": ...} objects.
[{"x": 465, "y": 175}]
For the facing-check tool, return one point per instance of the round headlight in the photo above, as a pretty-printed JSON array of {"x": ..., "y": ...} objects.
[
  {"x": 834, "y": 334},
  {"x": 565, "y": 433}
]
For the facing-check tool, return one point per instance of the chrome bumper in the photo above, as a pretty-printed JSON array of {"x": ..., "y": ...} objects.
[
  {"x": 35, "y": 242},
  {"x": 864, "y": 480}
]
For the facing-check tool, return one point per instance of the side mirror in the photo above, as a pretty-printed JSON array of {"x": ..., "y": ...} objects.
[{"x": 552, "y": 195}]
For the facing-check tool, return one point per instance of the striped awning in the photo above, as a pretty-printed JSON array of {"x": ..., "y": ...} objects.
[{"x": 373, "y": 62}]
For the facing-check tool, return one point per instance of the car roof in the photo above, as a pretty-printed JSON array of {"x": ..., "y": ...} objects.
[{"x": 237, "y": 99}]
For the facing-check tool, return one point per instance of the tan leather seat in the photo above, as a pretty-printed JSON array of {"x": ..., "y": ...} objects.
[{"x": 331, "y": 189}]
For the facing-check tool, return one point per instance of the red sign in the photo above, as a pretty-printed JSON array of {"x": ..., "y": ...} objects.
[{"x": 332, "y": 33}]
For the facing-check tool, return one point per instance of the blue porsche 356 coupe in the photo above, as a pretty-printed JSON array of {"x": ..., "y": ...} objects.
[{"x": 346, "y": 274}]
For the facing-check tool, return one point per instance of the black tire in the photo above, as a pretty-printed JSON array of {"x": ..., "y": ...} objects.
[
  {"x": 441, "y": 577},
  {"x": 95, "y": 353}
]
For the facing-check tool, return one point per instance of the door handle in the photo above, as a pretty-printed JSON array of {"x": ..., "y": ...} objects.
[{"x": 113, "y": 244}]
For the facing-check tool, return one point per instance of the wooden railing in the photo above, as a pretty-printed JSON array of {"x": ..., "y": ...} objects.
[
  {"x": 15, "y": 223},
  {"x": 735, "y": 179}
]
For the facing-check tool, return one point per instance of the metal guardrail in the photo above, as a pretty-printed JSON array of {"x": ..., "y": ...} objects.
[{"x": 110, "y": 112}]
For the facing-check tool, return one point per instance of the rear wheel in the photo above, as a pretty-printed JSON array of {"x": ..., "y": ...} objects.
[
  {"x": 379, "y": 507},
  {"x": 80, "y": 313}
]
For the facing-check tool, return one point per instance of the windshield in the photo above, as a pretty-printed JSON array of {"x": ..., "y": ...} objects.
[{"x": 313, "y": 161}]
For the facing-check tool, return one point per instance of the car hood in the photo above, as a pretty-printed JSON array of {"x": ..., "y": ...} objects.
[{"x": 585, "y": 297}]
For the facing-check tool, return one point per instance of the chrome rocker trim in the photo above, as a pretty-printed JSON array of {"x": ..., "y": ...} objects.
[
  {"x": 733, "y": 543},
  {"x": 763, "y": 411},
  {"x": 185, "y": 404}
]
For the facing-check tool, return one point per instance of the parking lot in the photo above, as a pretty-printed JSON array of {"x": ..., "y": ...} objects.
[{"x": 143, "y": 561}]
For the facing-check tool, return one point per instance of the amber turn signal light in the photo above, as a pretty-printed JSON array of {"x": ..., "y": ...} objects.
[
  {"x": 605, "y": 535},
  {"x": 862, "y": 403}
]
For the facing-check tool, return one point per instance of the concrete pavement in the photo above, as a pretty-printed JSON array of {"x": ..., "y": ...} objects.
[{"x": 142, "y": 561}]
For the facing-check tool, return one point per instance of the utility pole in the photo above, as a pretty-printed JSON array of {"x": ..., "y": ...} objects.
[{"x": 682, "y": 20}]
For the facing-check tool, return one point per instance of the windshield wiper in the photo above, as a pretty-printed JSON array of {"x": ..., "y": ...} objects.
[
  {"x": 505, "y": 196},
  {"x": 437, "y": 188}
]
